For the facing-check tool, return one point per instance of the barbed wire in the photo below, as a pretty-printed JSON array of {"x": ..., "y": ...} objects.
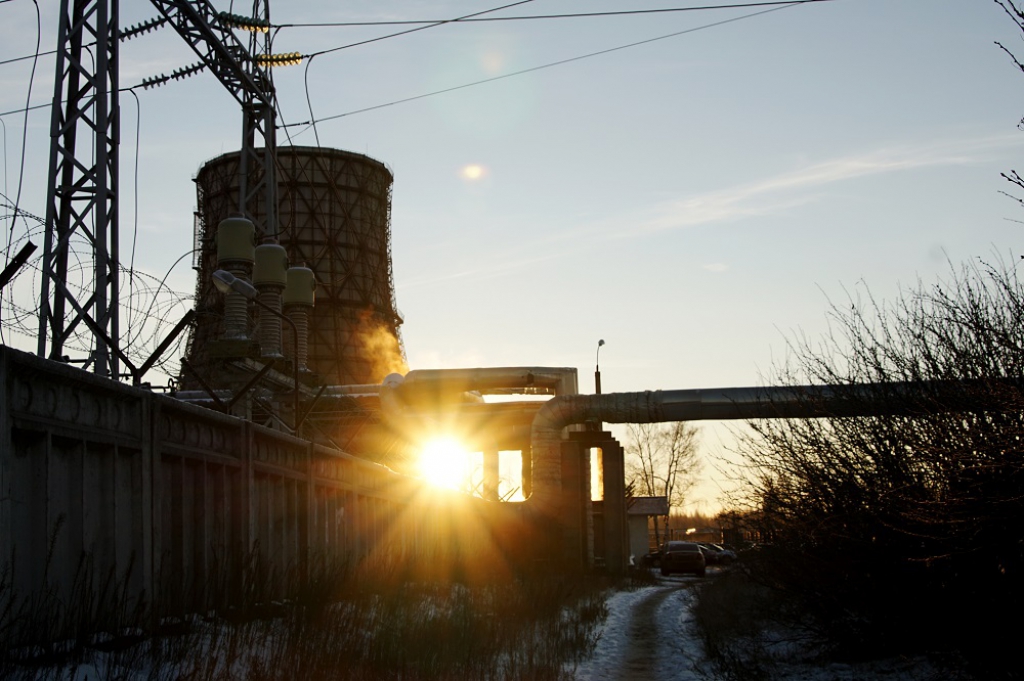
[{"x": 149, "y": 311}]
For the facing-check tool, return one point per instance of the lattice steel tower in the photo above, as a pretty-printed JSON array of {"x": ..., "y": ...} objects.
[{"x": 82, "y": 195}]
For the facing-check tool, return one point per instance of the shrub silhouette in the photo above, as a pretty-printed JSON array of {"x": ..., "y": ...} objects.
[{"x": 904, "y": 533}]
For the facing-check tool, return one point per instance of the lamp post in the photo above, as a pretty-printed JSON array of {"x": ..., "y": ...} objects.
[
  {"x": 225, "y": 282},
  {"x": 597, "y": 368}
]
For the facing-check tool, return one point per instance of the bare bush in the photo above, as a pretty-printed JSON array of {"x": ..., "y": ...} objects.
[{"x": 900, "y": 533}]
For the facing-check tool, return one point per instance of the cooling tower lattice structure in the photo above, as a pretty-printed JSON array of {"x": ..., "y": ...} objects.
[{"x": 334, "y": 218}]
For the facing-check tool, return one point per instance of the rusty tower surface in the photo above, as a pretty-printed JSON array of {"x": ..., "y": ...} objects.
[{"x": 334, "y": 212}]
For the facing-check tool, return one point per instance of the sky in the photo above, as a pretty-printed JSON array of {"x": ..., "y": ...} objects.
[{"x": 696, "y": 201}]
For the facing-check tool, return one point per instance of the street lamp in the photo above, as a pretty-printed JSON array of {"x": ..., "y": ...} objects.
[
  {"x": 597, "y": 368},
  {"x": 227, "y": 283}
]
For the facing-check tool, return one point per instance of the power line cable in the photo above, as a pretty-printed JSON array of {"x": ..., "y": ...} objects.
[
  {"x": 159, "y": 80},
  {"x": 24, "y": 131},
  {"x": 312, "y": 123},
  {"x": 6, "y": 191},
  {"x": 474, "y": 19},
  {"x": 414, "y": 30},
  {"x": 138, "y": 29},
  {"x": 24, "y": 109},
  {"x": 126, "y": 34},
  {"x": 570, "y": 15},
  {"x": 145, "y": 85},
  {"x": 31, "y": 56},
  {"x": 309, "y": 58},
  {"x": 24, "y": 141},
  {"x": 135, "y": 197}
]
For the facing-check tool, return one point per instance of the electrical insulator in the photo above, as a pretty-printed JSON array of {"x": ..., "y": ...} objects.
[
  {"x": 177, "y": 74},
  {"x": 251, "y": 24},
  {"x": 282, "y": 59},
  {"x": 141, "y": 28}
]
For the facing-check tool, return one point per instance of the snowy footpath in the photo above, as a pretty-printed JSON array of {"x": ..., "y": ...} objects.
[{"x": 646, "y": 637}]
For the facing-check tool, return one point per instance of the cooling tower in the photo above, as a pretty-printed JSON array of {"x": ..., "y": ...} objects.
[{"x": 334, "y": 218}]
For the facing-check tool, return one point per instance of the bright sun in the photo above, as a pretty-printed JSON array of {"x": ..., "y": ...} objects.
[{"x": 445, "y": 463}]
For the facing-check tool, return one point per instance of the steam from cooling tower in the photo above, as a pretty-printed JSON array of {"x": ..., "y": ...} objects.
[{"x": 380, "y": 344}]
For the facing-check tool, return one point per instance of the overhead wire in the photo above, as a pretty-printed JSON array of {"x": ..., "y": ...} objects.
[
  {"x": 311, "y": 123},
  {"x": 135, "y": 197},
  {"x": 441, "y": 22},
  {"x": 146, "y": 301},
  {"x": 149, "y": 313},
  {"x": 26, "y": 57},
  {"x": 151, "y": 306},
  {"x": 136, "y": 326},
  {"x": 24, "y": 141},
  {"x": 2, "y": 123},
  {"x": 24, "y": 131},
  {"x": 309, "y": 58},
  {"x": 475, "y": 19},
  {"x": 24, "y": 109},
  {"x": 277, "y": 101},
  {"x": 529, "y": 17},
  {"x": 127, "y": 34},
  {"x": 467, "y": 19},
  {"x": 142, "y": 298},
  {"x": 157, "y": 310}
]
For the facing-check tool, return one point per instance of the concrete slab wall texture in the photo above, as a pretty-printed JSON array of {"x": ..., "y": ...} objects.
[{"x": 187, "y": 506}]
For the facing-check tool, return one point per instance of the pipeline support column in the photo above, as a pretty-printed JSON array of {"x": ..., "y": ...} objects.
[{"x": 616, "y": 537}]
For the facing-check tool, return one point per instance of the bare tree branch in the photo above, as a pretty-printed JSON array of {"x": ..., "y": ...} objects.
[{"x": 663, "y": 460}]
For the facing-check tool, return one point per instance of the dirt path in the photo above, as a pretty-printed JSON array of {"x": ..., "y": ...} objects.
[
  {"x": 648, "y": 636},
  {"x": 645, "y": 637}
]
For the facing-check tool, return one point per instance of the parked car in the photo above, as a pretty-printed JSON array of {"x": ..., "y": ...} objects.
[
  {"x": 716, "y": 554},
  {"x": 725, "y": 554},
  {"x": 682, "y": 556},
  {"x": 651, "y": 559},
  {"x": 710, "y": 555}
]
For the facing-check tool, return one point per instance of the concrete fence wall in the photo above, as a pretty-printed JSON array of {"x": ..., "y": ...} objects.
[{"x": 187, "y": 506}]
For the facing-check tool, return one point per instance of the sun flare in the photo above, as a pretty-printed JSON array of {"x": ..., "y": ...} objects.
[
  {"x": 445, "y": 463},
  {"x": 472, "y": 172}
]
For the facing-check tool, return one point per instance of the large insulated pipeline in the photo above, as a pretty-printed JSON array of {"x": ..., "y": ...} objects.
[
  {"x": 400, "y": 395},
  {"x": 565, "y": 410},
  {"x": 808, "y": 401},
  {"x": 494, "y": 380},
  {"x": 641, "y": 407},
  {"x": 418, "y": 393}
]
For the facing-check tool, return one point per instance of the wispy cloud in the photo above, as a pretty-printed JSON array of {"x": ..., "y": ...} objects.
[
  {"x": 795, "y": 188},
  {"x": 768, "y": 196}
]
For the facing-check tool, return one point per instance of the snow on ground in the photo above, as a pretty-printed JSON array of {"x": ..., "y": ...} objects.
[
  {"x": 646, "y": 636},
  {"x": 649, "y": 636}
]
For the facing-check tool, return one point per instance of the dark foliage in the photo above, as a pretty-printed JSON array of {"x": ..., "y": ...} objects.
[{"x": 906, "y": 533}]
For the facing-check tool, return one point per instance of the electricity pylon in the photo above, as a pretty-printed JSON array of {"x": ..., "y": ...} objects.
[{"x": 82, "y": 194}]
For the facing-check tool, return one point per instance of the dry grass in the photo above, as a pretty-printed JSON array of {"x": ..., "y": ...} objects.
[{"x": 334, "y": 625}]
